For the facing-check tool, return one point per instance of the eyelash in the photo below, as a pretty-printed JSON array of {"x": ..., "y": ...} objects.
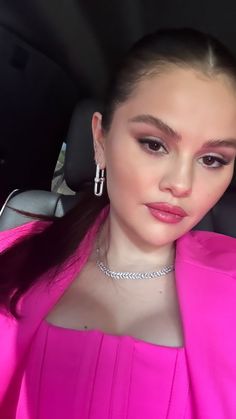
[{"x": 147, "y": 142}]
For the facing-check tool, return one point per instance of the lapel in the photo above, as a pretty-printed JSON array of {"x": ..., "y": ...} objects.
[{"x": 206, "y": 286}]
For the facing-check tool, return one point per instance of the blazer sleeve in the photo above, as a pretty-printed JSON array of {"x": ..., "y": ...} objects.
[{"x": 11, "y": 358}]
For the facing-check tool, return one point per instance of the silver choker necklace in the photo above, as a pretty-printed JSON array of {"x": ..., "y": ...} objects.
[{"x": 132, "y": 275}]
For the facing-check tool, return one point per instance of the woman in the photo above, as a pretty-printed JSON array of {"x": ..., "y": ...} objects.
[{"x": 119, "y": 310}]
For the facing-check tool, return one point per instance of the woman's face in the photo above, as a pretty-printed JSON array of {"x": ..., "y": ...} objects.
[{"x": 157, "y": 150}]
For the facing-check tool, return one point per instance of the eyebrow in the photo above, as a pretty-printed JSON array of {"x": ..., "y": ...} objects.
[{"x": 170, "y": 132}]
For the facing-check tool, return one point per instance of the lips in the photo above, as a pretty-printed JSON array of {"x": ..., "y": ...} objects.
[{"x": 171, "y": 209}]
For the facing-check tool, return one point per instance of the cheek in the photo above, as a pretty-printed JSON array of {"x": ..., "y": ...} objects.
[
  {"x": 207, "y": 194},
  {"x": 121, "y": 177},
  {"x": 124, "y": 175}
]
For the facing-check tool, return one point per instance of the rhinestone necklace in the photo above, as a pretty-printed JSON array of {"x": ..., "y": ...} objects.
[{"x": 132, "y": 275}]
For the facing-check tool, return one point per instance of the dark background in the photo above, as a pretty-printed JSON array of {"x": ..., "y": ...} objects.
[{"x": 54, "y": 53}]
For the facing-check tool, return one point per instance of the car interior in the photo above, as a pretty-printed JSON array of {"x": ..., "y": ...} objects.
[{"x": 55, "y": 64}]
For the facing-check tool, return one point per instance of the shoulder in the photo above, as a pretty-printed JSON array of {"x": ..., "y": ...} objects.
[
  {"x": 210, "y": 249},
  {"x": 214, "y": 240},
  {"x": 9, "y": 237}
]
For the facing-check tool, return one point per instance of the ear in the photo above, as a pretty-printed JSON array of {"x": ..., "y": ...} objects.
[{"x": 98, "y": 140}]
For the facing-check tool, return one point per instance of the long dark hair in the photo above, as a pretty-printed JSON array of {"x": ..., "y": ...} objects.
[{"x": 185, "y": 48}]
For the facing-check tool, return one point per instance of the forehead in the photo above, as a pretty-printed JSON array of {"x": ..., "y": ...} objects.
[{"x": 187, "y": 100}]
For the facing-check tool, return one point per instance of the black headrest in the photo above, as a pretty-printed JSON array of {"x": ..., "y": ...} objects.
[
  {"x": 232, "y": 186},
  {"x": 79, "y": 159}
]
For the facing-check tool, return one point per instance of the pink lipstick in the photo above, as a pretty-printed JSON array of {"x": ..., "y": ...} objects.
[{"x": 166, "y": 213}]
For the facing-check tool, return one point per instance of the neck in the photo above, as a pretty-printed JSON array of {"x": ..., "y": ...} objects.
[{"x": 124, "y": 252}]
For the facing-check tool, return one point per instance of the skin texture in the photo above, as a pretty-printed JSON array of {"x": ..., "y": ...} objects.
[{"x": 200, "y": 109}]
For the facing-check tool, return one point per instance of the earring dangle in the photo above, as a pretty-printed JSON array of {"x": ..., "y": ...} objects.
[{"x": 99, "y": 181}]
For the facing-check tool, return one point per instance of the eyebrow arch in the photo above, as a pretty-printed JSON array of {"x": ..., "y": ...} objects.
[{"x": 158, "y": 123}]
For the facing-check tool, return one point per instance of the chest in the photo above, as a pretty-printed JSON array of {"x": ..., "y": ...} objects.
[{"x": 149, "y": 312}]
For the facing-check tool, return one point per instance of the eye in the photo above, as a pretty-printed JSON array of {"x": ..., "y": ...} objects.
[
  {"x": 153, "y": 146},
  {"x": 214, "y": 162}
]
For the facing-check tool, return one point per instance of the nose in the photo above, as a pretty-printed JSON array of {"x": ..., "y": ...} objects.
[{"x": 178, "y": 179}]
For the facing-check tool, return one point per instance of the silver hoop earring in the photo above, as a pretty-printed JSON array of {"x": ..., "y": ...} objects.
[{"x": 99, "y": 181}]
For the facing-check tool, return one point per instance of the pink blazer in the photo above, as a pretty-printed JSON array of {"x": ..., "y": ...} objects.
[{"x": 206, "y": 286}]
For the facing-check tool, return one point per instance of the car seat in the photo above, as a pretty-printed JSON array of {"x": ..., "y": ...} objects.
[
  {"x": 37, "y": 99},
  {"x": 80, "y": 171}
]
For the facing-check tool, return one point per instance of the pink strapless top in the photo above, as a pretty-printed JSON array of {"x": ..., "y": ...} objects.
[{"x": 73, "y": 374}]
